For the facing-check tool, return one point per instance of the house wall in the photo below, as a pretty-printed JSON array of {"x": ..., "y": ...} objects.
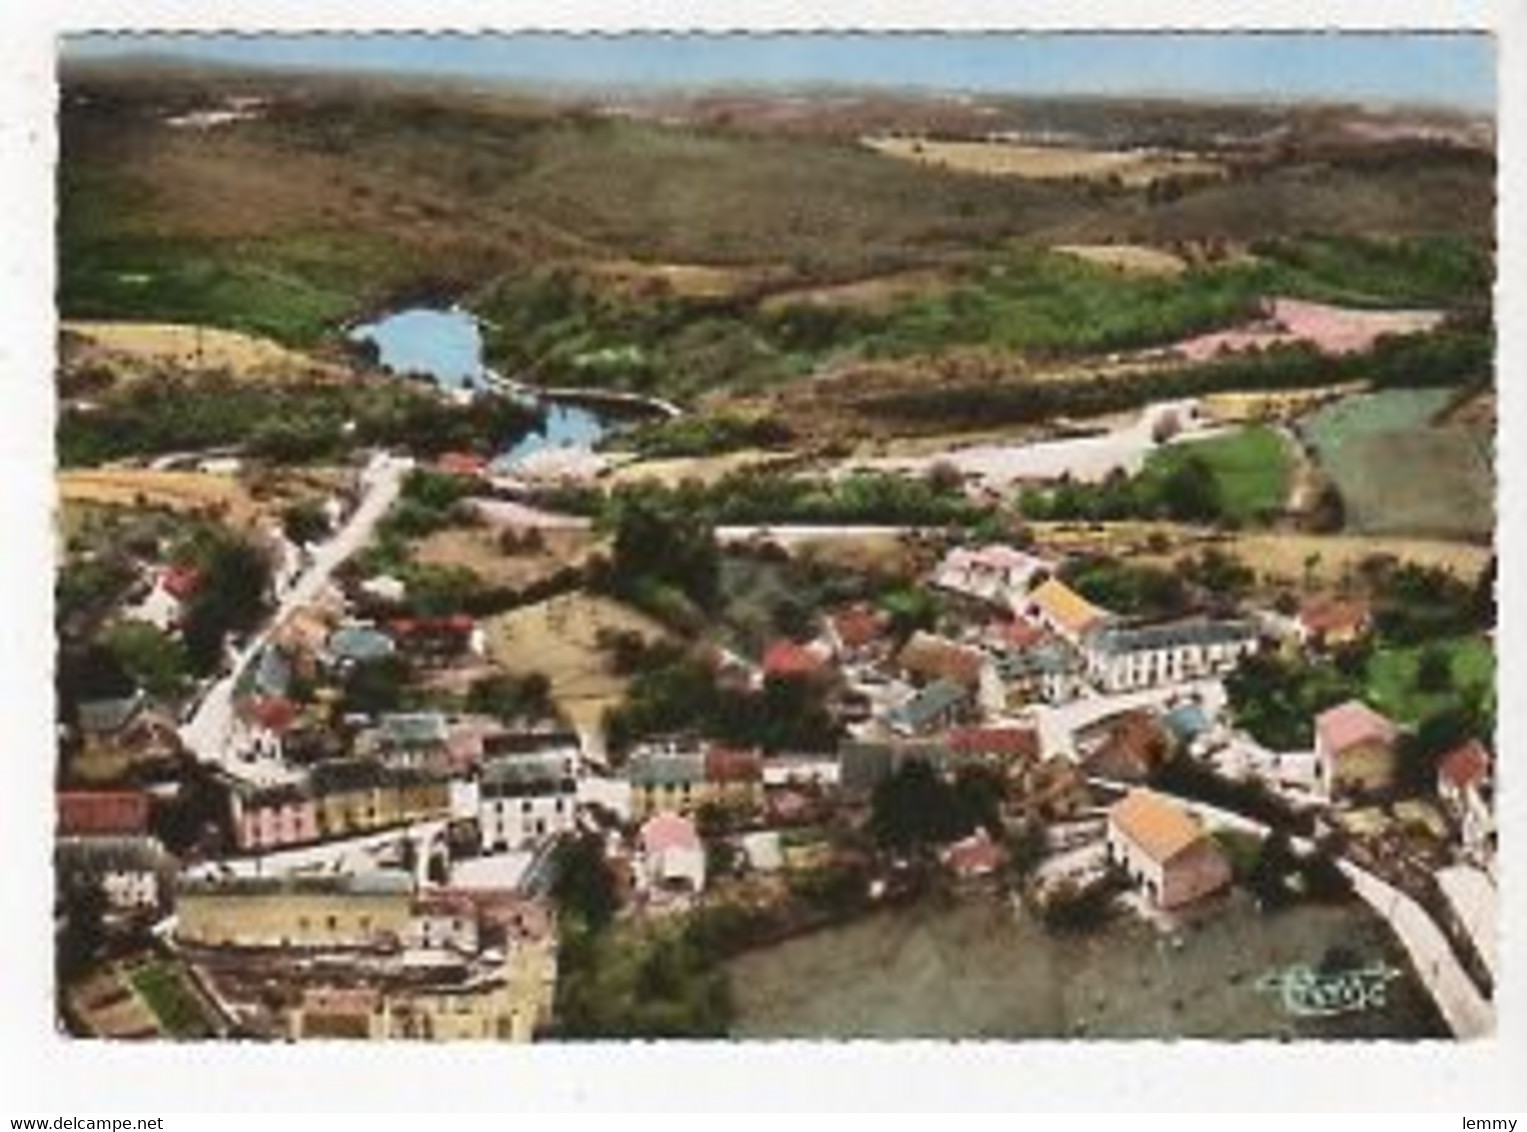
[
  {"x": 1143, "y": 870},
  {"x": 1365, "y": 767},
  {"x": 274, "y": 826},
  {"x": 1193, "y": 874},
  {"x": 290, "y": 919},
  {"x": 511, "y": 823},
  {"x": 681, "y": 798},
  {"x": 131, "y": 889}
]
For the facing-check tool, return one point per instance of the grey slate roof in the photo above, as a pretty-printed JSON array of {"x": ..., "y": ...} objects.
[
  {"x": 929, "y": 704},
  {"x": 102, "y": 717},
  {"x": 665, "y": 768},
  {"x": 413, "y": 729},
  {"x": 1117, "y": 639},
  {"x": 359, "y": 643}
]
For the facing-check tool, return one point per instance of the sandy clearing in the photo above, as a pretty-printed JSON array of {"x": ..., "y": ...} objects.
[
  {"x": 872, "y": 294},
  {"x": 204, "y": 347},
  {"x": 1132, "y": 258},
  {"x": 479, "y": 550},
  {"x": 1085, "y": 459},
  {"x": 1134, "y": 168},
  {"x": 559, "y": 637},
  {"x": 684, "y": 280},
  {"x": 700, "y": 469}
]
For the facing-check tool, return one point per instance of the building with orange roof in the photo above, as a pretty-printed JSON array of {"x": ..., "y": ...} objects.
[
  {"x": 1165, "y": 850},
  {"x": 1062, "y": 610}
]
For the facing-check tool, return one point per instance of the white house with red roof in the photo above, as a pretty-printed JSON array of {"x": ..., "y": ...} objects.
[
  {"x": 996, "y": 574},
  {"x": 673, "y": 856},
  {"x": 1466, "y": 788},
  {"x": 1354, "y": 750}
]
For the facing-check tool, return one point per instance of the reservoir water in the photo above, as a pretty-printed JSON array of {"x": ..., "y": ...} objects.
[{"x": 447, "y": 347}]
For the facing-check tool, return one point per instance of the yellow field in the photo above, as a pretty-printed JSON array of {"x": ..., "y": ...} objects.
[
  {"x": 171, "y": 344},
  {"x": 222, "y": 496},
  {"x": 1239, "y": 407},
  {"x": 1133, "y": 168},
  {"x": 1284, "y": 556},
  {"x": 1135, "y": 259},
  {"x": 559, "y": 638}
]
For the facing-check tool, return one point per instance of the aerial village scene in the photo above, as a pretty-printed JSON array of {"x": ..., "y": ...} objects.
[{"x": 681, "y": 539}]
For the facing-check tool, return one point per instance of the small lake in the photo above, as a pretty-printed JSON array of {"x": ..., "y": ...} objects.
[{"x": 446, "y": 346}]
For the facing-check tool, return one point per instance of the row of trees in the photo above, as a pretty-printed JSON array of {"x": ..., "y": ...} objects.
[{"x": 288, "y": 423}]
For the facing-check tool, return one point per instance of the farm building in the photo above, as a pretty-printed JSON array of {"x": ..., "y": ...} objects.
[{"x": 1164, "y": 850}]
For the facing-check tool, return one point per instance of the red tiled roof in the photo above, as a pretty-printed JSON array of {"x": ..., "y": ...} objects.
[
  {"x": 180, "y": 581},
  {"x": 1020, "y": 634},
  {"x": 1330, "y": 614},
  {"x": 859, "y": 625},
  {"x": 461, "y": 464},
  {"x": 1465, "y": 766},
  {"x": 976, "y": 855},
  {"x": 786, "y": 658},
  {"x": 274, "y": 714},
  {"x": 1351, "y": 723},
  {"x": 669, "y": 831},
  {"x": 458, "y": 623},
  {"x": 723, "y": 764},
  {"x": 102, "y": 812},
  {"x": 1013, "y": 742}
]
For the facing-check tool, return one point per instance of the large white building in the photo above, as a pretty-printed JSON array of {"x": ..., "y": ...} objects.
[
  {"x": 1123, "y": 658},
  {"x": 525, "y": 797}
]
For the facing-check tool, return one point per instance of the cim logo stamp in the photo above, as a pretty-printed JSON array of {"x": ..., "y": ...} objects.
[{"x": 1308, "y": 993}]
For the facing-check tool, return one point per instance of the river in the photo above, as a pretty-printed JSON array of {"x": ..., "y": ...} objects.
[{"x": 446, "y": 346}]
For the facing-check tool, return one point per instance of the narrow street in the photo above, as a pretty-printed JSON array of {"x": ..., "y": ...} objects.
[{"x": 207, "y": 734}]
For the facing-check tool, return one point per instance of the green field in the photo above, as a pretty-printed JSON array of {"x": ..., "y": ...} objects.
[
  {"x": 1391, "y": 677},
  {"x": 1398, "y": 473},
  {"x": 1251, "y": 468},
  {"x": 178, "y": 1009}
]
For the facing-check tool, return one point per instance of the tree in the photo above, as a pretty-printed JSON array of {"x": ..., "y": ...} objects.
[
  {"x": 1434, "y": 670},
  {"x": 658, "y": 539},
  {"x": 1191, "y": 493},
  {"x": 152, "y": 659},
  {"x": 376, "y": 686},
  {"x": 304, "y": 522},
  {"x": 230, "y": 597},
  {"x": 584, "y": 885}
]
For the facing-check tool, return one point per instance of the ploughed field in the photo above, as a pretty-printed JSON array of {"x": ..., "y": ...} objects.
[
  {"x": 1399, "y": 472},
  {"x": 975, "y": 970}
]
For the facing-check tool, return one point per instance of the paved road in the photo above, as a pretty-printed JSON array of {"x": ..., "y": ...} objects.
[
  {"x": 349, "y": 855},
  {"x": 208, "y": 733}
]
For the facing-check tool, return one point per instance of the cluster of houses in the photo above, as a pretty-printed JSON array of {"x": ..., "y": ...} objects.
[
  {"x": 1076, "y": 709},
  {"x": 373, "y": 955}
]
